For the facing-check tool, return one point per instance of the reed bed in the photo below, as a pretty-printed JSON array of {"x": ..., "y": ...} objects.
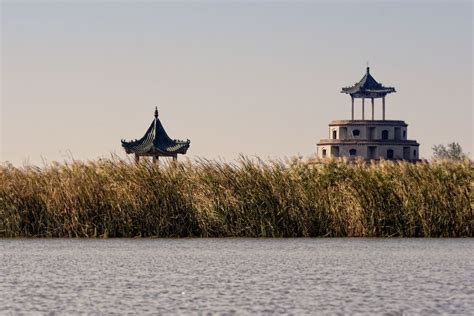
[{"x": 250, "y": 198}]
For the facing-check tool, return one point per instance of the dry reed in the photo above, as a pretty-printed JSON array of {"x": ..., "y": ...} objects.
[{"x": 252, "y": 198}]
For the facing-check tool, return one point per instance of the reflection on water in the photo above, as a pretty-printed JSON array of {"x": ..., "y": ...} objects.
[{"x": 238, "y": 275}]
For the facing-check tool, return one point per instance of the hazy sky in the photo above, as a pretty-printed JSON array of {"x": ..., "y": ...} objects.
[{"x": 253, "y": 77}]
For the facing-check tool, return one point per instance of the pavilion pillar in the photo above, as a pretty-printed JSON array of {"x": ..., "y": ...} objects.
[
  {"x": 156, "y": 159},
  {"x": 137, "y": 158},
  {"x": 363, "y": 108},
  {"x": 372, "y": 109},
  {"x": 352, "y": 116},
  {"x": 175, "y": 157},
  {"x": 383, "y": 108}
]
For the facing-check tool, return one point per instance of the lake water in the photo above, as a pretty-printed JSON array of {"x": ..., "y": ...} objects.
[{"x": 226, "y": 276}]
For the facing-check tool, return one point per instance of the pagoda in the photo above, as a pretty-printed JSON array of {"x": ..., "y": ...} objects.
[
  {"x": 156, "y": 143},
  {"x": 368, "y": 138}
]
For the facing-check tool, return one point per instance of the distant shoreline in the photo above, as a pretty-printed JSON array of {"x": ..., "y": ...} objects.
[{"x": 252, "y": 198}]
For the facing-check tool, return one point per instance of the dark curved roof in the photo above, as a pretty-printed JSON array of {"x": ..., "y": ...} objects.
[
  {"x": 368, "y": 87},
  {"x": 156, "y": 142}
]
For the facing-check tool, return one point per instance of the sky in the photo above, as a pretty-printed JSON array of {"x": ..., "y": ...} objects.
[{"x": 258, "y": 78}]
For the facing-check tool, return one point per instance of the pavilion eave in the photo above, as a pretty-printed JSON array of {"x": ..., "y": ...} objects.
[{"x": 372, "y": 93}]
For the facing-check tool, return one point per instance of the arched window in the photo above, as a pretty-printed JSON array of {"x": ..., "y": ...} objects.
[
  {"x": 352, "y": 152},
  {"x": 390, "y": 154},
  {"x": 414, "y": 153},
  {"x": 324, "y": 152},
  {"x": 404, "y": 134},
  {"x": 356, "y": 133},
  {"x": 384, "y": 134},
  {"x": 334, "y": 134}
]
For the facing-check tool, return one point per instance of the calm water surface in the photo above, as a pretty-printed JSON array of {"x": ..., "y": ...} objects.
[{"x": 189, "y": 276}]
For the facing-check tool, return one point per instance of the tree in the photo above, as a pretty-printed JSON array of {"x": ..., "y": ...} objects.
[{"x": 452, "y": 152}]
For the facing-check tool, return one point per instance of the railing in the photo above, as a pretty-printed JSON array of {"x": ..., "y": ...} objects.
[{"x": 380, "y": 141}]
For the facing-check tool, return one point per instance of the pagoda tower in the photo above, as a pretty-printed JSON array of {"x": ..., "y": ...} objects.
[
  {"x": 156, "y": 143},
  {"x": 368, "y": 138}
]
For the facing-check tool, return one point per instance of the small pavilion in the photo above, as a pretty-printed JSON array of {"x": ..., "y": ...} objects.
[
  {"x": 156, "y": 143},
  {"x": 368, "y": 88}
]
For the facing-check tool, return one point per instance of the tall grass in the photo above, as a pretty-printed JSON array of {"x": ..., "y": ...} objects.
[{"x": 115, "y": 198}]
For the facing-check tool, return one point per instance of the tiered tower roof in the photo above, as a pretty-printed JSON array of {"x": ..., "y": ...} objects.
[{"x": 368, "y": 87}]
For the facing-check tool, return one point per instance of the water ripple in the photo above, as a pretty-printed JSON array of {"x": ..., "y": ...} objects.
[{"x": 243, "y": 276}]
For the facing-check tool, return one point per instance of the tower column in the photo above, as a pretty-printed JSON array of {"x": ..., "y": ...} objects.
[
  {"x": 137, "y": 158},
  {"x": 383, "y": 108},
  {"x": 372, "y": 109},
  {"x": 352, "y": 117},
  {"x": 363, "y": 108}
]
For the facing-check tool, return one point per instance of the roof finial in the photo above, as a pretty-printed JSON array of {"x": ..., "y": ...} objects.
[
  {"x": 156, "y": 111},
  {"x": 368, "y": 68}
]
